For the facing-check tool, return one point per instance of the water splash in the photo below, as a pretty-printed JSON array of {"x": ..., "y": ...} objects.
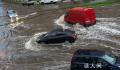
[
  {"x": 32, "y": 44},
  {"x": 17, "y": 21},
  {"x": 16, "y": 24},
  {"x": 105, "y": 29},
  {"x": 28, "y": 15},
  {"x": 61, "y": 24},
  {"x": 101, "y": 31}
]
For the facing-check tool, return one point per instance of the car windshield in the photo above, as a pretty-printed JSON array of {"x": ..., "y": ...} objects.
[
  {"x": 11, "y": 12},
  {"x": 109, "y": 58}
]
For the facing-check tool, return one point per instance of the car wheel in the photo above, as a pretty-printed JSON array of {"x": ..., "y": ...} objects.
[
  {"x": 66, "y": 42},
  {"x": 33, "y": 4},
  {"x": 42, "y": 3},
  {"x": 55, "y": 2},
  {"x": 42, "y": 43},
  {"x": 38, "y": 41},
  {"x": 46, "y": 43},
  {"x": 71, "y": 41},
  {"x": 73, "y": 67}
]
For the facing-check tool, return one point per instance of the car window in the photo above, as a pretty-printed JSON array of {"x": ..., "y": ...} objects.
[
  {"x": 109, "y": 59},
  {"x": 90, "y": 60},
  {"x": 58, "y": 34},
  {"x": 102, "y": 61},
  {"x": 12, "y": 12},
  {"x": 50, "y": 34}
]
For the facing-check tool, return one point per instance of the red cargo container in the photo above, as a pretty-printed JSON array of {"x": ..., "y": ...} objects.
[{"x": 81, "y": 15}]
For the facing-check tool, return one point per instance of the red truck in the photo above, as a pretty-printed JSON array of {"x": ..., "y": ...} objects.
[{"x": 81, "y": 15}]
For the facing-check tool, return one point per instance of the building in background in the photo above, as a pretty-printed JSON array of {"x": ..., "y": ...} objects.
[
  {"x": 81, "y": 1},
  {"x": 94, "y": 1},
  {"x": 91, "y": 1}
]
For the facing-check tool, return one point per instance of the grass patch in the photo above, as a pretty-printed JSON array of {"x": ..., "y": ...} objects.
[
  {"x": 97, "y": 4},
  {"x": 110, "y": 3}
]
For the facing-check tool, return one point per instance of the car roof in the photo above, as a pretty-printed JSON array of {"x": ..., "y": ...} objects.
[
  {"x": 89, "y": 53},
  {"x": 61, "y": 30},
  {"x": 11, "y": 11}
]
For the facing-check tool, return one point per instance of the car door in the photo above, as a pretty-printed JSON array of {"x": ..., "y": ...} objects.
[
  {"x": 60, "y": 37},
  {"x": 104, "y": 64},
  {"x": 49, "y": 38},
  {"x": 95, "y": 63},
  {"x": 83, "y": 63}
]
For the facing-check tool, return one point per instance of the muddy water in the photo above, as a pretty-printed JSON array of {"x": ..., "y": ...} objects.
[
  {"x": 5, "y": 33},
  {"x": 19, "y": 51},
  {"x": 103, "y": 36}
]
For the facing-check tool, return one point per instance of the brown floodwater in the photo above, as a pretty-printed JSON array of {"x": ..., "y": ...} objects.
[{"x": 18, "y": 50}]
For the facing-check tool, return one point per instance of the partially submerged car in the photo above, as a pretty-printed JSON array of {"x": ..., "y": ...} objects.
[
  {"x": 48, "y": 1},
  {"x": 94, "y": 60},
  {"x": 12, "y": 13},
  {"x": 28, "y": 3},
  {"x": 57, "y": 36}
]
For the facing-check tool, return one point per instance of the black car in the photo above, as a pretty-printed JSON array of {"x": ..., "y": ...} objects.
[
  {"x": 28, "y": 3},
  {"x": 94, "y": 60},
  {"x": 57, "y": 36}
]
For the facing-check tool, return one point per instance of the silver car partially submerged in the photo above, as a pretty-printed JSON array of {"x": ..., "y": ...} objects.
[{"x": 12, "y": 14}]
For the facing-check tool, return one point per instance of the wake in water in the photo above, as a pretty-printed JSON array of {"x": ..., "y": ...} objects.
[
  {"x": 19, "y": 20},
  {"x": 28, "y": 15},
  {"x": 32, "y": 44},
  {"x": 16, "y": 24},
  {"x": 102, "y": 33},
  {"x": 59, "y": 67}
]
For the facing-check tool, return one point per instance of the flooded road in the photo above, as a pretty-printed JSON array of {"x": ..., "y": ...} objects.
[
  {"x": 18, "y": 50},
  {"x": 5, "y": 32}
]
